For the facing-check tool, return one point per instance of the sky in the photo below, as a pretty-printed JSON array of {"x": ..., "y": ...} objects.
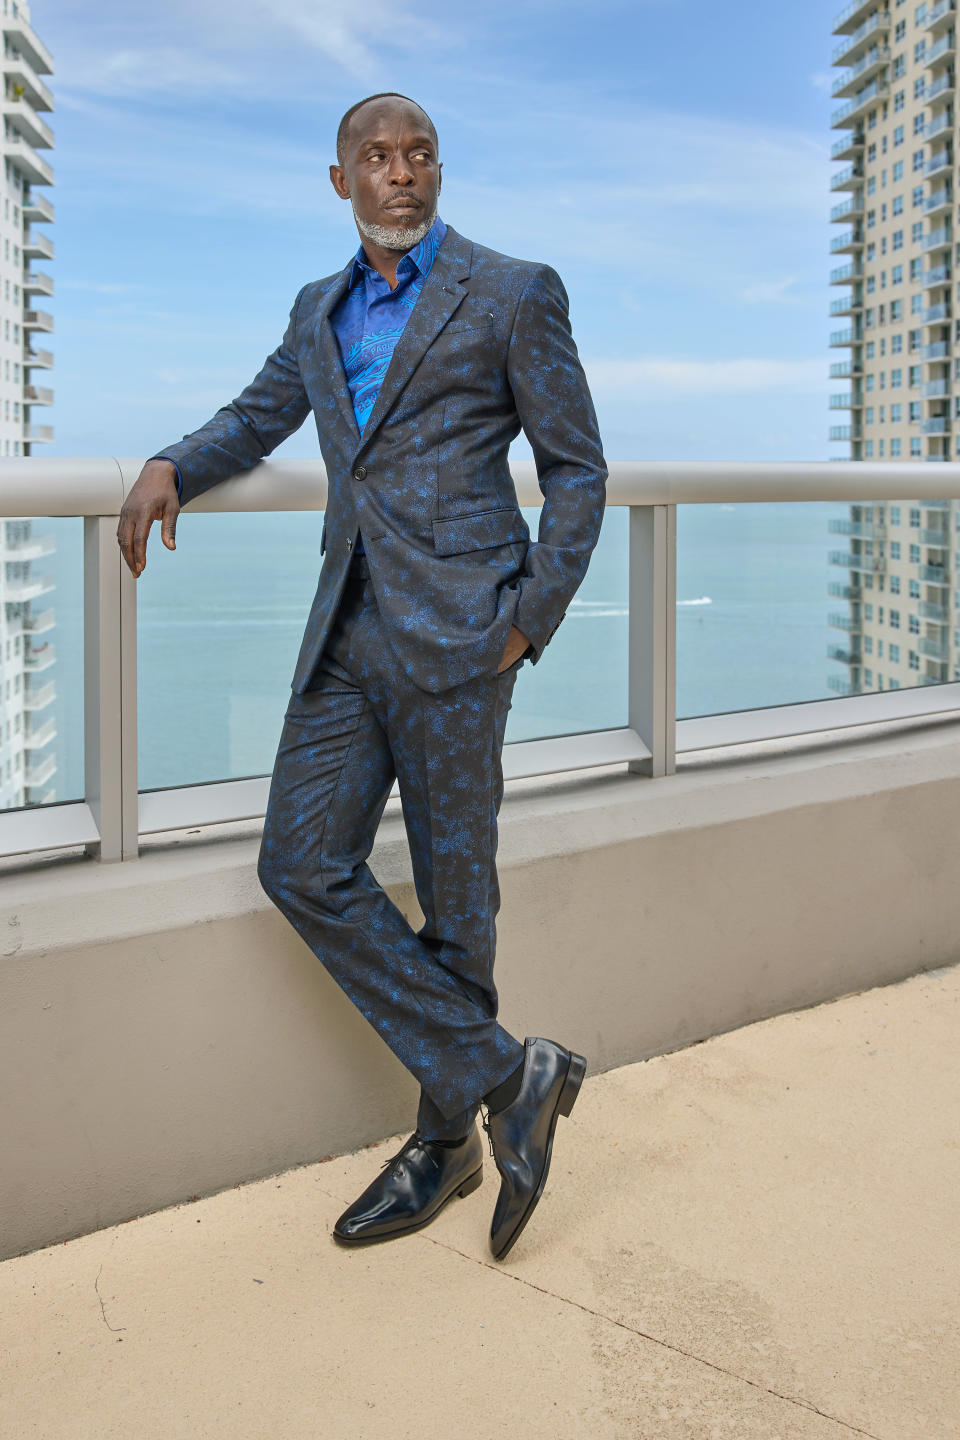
[{"x": 669, "y": 158}]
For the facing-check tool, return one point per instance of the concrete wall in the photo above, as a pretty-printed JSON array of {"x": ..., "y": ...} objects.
[{"x": 165, "y": 1033}]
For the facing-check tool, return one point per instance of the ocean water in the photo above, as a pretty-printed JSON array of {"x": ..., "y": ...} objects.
[{"x": 221, "y": 618}]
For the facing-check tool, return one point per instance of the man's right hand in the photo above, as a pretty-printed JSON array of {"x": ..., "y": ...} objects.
[{"x": 153, "y": 497}]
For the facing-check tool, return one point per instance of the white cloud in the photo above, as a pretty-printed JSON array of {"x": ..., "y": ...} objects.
[{"x": 772, "y": 292}]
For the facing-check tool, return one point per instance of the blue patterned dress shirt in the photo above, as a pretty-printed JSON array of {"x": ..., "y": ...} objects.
[{"x": 369, "y": 319}]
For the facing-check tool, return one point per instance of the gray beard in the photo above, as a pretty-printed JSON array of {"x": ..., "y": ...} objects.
[{"x": 393, "y": 237}]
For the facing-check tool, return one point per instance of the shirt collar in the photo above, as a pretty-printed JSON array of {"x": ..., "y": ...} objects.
[{"x": 421, "y": 256}]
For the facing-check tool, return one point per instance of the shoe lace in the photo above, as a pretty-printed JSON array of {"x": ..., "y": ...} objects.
[
  {"x": 485, "y": 1122},
  {"x": 411, "y": 1143}
]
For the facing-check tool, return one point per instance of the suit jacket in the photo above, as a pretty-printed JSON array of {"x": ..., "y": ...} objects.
[{"x": 487, "y": 350}]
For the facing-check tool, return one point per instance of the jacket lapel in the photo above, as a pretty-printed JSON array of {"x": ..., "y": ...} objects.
[
  {"x": 328, "y": 350},
  {"x": 439, "y": 298}
]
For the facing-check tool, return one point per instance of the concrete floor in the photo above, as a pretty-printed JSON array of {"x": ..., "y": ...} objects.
[{"x": 754, "y": 1238}]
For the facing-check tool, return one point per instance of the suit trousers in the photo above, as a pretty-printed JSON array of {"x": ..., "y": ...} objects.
[{"x": 360, "y": 724}]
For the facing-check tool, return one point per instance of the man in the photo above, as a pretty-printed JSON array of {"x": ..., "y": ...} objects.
[{"x": 421, "y": 359}]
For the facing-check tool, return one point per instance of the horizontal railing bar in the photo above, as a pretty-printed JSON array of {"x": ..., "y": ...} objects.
[
  {"x": 808, "y": 717},
  {"x": 226, "y": 800},
  {"x": 47, "y": 827},
  {"x": 35, "y": 486}
]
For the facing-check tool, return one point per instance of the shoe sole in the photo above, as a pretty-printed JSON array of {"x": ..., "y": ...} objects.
[
  {"x": 468, "y": 1186},
  {"x": 576, "y": 1069}
]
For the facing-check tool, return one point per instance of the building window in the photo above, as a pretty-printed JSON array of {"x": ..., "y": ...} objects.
[
  {"x": 894, "y": 584},
  {"x": 894, "y": 619},
  {"x": 897, "y": 171},
  {"x": 914, "y": 660},
  {"x": 914, "y": 589},
  {"x": 868, "y": 644},
  {"x": 894, "y": 549},
  {"x": 898, "y": 132},
  {"x": 896, "y": 414},
  {"x": 896, "y": 379},
  {"x": 894, "y": 514},
  {"x": 914, "y": 625},
  {"x": 897, "y": 209},
  {"x": 894, "y": 654},
  {"x": 914, "y": 519},
  {"x": 914, "y": 554}
]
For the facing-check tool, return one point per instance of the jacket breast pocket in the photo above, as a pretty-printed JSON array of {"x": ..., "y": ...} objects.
[{"x": 479, "y": 531}]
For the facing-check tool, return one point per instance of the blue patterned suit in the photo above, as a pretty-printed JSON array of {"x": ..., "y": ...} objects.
[{"x": 397, "y": 670}]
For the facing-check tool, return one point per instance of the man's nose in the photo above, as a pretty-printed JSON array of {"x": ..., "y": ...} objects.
[{"x": 399, "y": 172}]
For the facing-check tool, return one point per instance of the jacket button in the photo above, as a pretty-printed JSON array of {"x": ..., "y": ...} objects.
[{"x": 360, "y": 473}]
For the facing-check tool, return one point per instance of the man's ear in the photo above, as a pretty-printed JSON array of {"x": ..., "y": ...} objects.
[{"x": 338, "y": 180}]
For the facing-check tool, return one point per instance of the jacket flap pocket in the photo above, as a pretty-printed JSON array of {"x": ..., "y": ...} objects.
[{"x": 478, "y": 532}]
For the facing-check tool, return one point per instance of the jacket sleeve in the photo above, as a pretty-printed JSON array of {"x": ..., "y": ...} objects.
[
  {"x": 240, "y": 434},
  {"x": 556, "y": 412}
]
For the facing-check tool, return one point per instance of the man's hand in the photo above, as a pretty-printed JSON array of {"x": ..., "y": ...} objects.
[
  {"x": 153, "y": 497},
  {"x": 516, "y": 644}
]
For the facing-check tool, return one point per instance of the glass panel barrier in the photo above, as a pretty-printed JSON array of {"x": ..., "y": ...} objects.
[
  {"x": 220, "y": 620},
  {"x": 580, "y": 683},
  {"x": 41, "y": 662},
  {"x": 781, "y": 603}
]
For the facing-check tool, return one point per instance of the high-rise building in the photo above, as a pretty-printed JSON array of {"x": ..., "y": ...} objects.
[
  {"x": 27, "y": 692},
  {"x": 896, "y": 132}
]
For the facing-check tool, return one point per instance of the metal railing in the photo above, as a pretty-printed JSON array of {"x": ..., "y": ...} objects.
[{"x": 107, "y": 823}]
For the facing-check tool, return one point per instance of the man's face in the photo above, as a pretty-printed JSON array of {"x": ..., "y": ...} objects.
[{"x": 390, "y": 173}]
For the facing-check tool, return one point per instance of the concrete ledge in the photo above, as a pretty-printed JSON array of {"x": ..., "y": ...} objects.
[{"x": 165, "y": 1033}]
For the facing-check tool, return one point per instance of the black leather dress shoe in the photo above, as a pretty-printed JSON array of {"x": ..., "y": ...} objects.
[
  {"x": 416, "y": 1184},
  {"x": 521, "y": 1135}
]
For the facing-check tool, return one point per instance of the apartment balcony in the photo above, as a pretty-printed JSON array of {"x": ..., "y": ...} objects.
[
  {"x": 37, "y": 320},
  {"x": 39, "y": 624},
  {"x": 940, "y": 239},
  {"x": 851, "y": 240},
  {"x": 848, "y": 209},
  {"x": 40, "y": 773},
  {"x": 845, "y": 369},
  {"x": 872, "y": 63},
  {"x": 841, "y": 686},
  {"x": 939, "y": 164},
  {"x": 38, "y": 434},
  {"x": 934, "y": 575},
  {"x": 39, "y": 699},
  {"x": 845, "y": 432},
  {"x": 941, "y": 124},
  {"x": 25, "y": 159},
  {"x": 35, "y": 547},
  {"x": 940, "y": 538},
  {"x": 845, "y": 656},
  {"x": 865, "y": 529},
  {"x": 937, "y": 389},
  {"x": 23, "y": 120},
  {"x": 38, "y": 207},
  {"x": 939, "y": 17},
  {"x": 20, "y": 37},
  {"x": 927, "y": 610},
  {"x": 39, "y": 736},
  {"x": 21, "y": 77},
  {"x": 846, "y": 305},
  {"x": 872, "y": 564},
  {"x": 848, "y": 114},
  {"x": 938, "y": 203},
  {"x": 849, "y": 146},
  {"x": 846, "y": 401},
  {"x": 846, "y": 274},
  {"x": 40, "y": 659},
  {"x": 852, "y": 47},
  {"x": 850, "y": 19},
  {"x": 842, "y": 622},
  {"x": 849, "y": 179},
  {"x": 37, "y": 244},
  {"x": 35, "y": 282},
  {"x": 30, "y": 588},
  {"x": 936, "y": 649},
  {"x": 846, "y": 337},
  {"x": 38, "y": 359},
  {"x": 937, "y": 314},
  {"x": 941, "y": 52},
  {"x": 941, "y": 90},
  {"x": 936, "y": 425},
  {"x": 37, "y": 395},
  {"x": 841, "y": 591},
  {"x": 938, "y": 350},
  {"x": 940, "y": 275}
]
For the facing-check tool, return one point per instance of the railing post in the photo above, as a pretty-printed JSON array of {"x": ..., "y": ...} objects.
[
  {"x": 109, "y": 690},
  {"x": 652, "y": 694}
]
